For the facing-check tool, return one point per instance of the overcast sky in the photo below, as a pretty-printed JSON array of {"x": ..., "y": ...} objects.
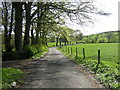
[{"x": 102, "y": 23}]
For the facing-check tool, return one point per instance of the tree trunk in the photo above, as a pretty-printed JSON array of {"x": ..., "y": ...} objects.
[
  {"x": 32, "y": 36},
  {"x": 37, "y": 30},
  {"x": 65, "y": 41},
  {"x": 5, "y": 24},
  {"x": 46, "y": 40},
  {"x": 37, "y": 37},
  {"x": 76, "y": 40},
  {"x": 57, "y": 39},
  {"x": 10, "y": 30},
  {"x": 28, "y": 22},
  {"x": 18, "y": 26},
  {"x": 60, "y": 41},
  {"x": 5, "y": 27}
]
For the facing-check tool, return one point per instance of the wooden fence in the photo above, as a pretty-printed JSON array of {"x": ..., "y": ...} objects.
[{"x": 70, "y": 51}]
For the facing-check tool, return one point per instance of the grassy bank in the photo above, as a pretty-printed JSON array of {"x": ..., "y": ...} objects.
[
  {"x": 10, "y": 75},
  {"x": 14, "y": 74},
  {"x": 107, "y": 71}
]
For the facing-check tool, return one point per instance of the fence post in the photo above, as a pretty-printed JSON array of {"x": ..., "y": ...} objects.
[
  {"x": 83, "y": 53},
  {"x": 76, "y": 52},
  {"x": 68, "y": 50},
  {"x": 98, "y": 62},
  {"x": 71, "y": 50}
]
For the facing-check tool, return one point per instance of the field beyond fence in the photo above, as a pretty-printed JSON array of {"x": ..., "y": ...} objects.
[{"x": 101, "y": 58}]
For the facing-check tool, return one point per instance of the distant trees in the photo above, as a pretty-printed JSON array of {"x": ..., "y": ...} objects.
[
  {"x": 62, "y": 34},
  {"x": 78, "y": 35},
  {"x": 107, "y": 37},
  {"x": 96, "y": 38}
]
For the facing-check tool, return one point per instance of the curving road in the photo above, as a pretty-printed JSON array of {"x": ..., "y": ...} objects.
[{"x": 54, "y": 70}]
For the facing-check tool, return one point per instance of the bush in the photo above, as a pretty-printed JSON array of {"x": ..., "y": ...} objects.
[
  {"x": 27, "y": 52},
  {"x": 34, "y": 49},
  {"x": 30, "y": 51},
  {"x": 13, "y": 55}
]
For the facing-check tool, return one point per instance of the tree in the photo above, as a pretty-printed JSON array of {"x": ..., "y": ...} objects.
[
  {"x": 28, "y": 22},
  {"x": 5, "y": 24},
  {"x": 7, "y": 21},
  {"x": 11, "y": 28},
  {"x": 109, "y": 36},
  {"x": 18, "y": 26},
  {"x": 32, "y": 34},
  {"x": 81, "y": 36}
]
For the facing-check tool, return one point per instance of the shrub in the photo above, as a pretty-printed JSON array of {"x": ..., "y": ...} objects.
[
  {"x": 34, "y": 49},
  {"x": 27, "y": 52},
  {"x": 13, "y": 55},
  {"x": 30, "y": 50}
]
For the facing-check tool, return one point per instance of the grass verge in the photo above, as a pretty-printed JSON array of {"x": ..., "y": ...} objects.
[
  {"x": 10, "y": 75},
  {"x": 39, "y": 55}
]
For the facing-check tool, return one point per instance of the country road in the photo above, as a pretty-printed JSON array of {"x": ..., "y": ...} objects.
[{"x": 54, "y": 70}]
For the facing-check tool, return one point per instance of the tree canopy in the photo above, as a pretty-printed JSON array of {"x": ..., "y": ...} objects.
[{"x": 30, "y": 23}]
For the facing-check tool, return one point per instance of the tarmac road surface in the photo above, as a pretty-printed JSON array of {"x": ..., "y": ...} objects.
[{"x": 54, "y": 70}]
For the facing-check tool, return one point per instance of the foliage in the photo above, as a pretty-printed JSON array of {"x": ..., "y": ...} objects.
[
  {"x": 34, "y": 49},
  {"x": 10, "y": 75},
  {"x": 108, "y": 69},
  {"x": 63, "y": 32},
  {"x": 39, "y": 55}
]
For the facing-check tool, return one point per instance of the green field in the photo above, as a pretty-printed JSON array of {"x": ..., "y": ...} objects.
[
  {"x": 107, "y": 72},
  {"x": 51, "y": 44}
]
